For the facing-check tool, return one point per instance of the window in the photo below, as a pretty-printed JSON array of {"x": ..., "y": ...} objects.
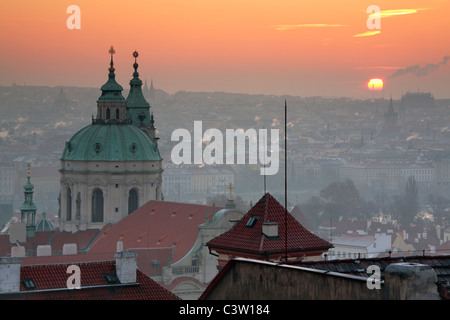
[
  {"x": 252, "y": 221},
  {"x": 117, "y": 114},
  {"x": 97, "y": 206},
  {"x": 132, "y": 201},
  {"x": 108, "y": 113},
  {"x": 69, "y": 204},
  {"x": 111, "y": 278},
  {"x": 28, "y": 284}
]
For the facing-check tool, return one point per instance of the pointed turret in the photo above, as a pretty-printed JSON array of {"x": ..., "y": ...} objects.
[
  {"x": 138, "y": 109},
  {"x": 111, "y": 107}
]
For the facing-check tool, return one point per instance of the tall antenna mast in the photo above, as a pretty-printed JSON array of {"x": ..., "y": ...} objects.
[
  {"x": 285, "y": 180},
  {"x": 265, "y": 190}
]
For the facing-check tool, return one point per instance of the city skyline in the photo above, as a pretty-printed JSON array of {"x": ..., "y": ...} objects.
[{"x": 275, "y": 48}]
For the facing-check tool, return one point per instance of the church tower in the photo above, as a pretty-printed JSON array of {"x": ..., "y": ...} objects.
[
  {"x": 138, "y": 109},
  {"x": 390, "y": 120},
  {"x": 28, "y": 208},
  {"x": 112, "y": 166}
]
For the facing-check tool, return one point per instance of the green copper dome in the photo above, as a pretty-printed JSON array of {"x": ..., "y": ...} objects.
[
  {"x": 44, "y": 224},
  {"x": 111, "y": 142}
]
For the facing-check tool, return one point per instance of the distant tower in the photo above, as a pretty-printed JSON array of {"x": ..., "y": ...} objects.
[
  {"x": 391, "y": 119},
  {"x": 28, "y": 208},
  {"x": 151, "y": 92}
]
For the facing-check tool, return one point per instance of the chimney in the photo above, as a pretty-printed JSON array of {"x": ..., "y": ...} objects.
[
  {"x": 126, "y": 266},
  {"x": 438, "y": 232},
  {"x": 70, "y": 248},
  {"x": 18, "y": 251},
  {"x": 17, "y": 232},
  {"x": 43, "y": 250},
  {"x": 119, "y": 246},
  {"x": 10, "y": 274},
  {"x": 410, "y": 281},
  {"x": 270, "y": 229}
]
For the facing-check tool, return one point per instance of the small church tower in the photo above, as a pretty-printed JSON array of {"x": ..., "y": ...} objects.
[
  {"x": 28, "y": 208},
  {"x": 390, "y": 120}
]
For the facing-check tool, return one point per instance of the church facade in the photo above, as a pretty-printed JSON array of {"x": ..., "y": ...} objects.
[{"x": 112, "y": 166}]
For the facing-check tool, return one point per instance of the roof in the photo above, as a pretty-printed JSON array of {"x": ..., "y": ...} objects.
[
  {"x": 358, "y": 267},
  {"x": 247, "y": 235},
  {"x": 156, "y": 224},
  {"x": 111, "y": 142},
  {"x": 55, "y": 238},
  {"x": 51, "y": 284},
  {"x": 354, "y": 240}
]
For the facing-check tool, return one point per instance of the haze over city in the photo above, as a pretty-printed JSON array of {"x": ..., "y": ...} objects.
[{"x": 224, "y": 150}]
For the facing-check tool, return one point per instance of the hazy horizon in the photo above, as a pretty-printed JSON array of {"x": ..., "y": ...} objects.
[{"x": 274, "y": 48}]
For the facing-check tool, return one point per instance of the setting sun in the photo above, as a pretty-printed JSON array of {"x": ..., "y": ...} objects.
[{"x": 375, "y": 84}]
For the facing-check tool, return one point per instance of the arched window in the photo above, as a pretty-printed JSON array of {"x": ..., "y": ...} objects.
[
  {"x": 97, "y": 206},
  {"x": 69, "y": 204},
  {"x": 108, "y": 113},
  {"x": 117, "y": 114},
  {"x": 132, "y": 200}
]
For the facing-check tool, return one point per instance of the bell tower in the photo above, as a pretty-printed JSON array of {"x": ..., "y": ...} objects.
[{"x": 28, "y": 208}]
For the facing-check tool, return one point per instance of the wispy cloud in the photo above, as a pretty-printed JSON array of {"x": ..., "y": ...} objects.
[
  {"x": 387, "y": 14},
  {"x": 379, "y": 67},
  {"x": 421, "y": 71},
  {"x": 396, "y": 12},
  {"x": 283, "y": 27},
  {"x": 367, "y": 34}
]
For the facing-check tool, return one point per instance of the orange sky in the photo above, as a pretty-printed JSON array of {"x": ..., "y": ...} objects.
[{"x": 275, "y": 47}]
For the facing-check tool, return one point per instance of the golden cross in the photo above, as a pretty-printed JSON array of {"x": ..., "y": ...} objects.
[
  {"x": 230, "y": 187},
  {"x": 112, "y": 51}
]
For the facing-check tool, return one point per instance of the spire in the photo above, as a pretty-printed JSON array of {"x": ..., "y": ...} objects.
[{"x": 111, "y": 90}]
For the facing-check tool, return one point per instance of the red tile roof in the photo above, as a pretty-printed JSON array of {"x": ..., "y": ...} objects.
[
  {"x": 55, "y": 238},
  {"x": 242, "y": 238},
  {"x": 52, "y": 280},
  {"x": 157, "y": 224}
]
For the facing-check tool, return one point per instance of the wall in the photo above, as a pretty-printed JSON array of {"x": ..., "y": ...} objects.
[
  {"x": 246, "y": 279},
  {"x": 267, "y": 281}
]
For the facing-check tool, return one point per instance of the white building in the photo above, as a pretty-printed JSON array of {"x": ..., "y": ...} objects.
[{"x": 354, "y": 246}]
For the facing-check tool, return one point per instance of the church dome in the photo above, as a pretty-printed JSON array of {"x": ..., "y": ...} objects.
[
  {"x": 44, "y": 224},
  {"x": 111, "y": 142}
]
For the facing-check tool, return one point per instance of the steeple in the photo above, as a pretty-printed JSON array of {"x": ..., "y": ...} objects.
[
  {"x": 28, "y": 208},
  {"x": 138, "y": 109},
  {"x": 111, "y": 104}
]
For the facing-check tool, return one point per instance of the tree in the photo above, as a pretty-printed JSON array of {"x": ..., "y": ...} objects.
[
  {"x": 439, "y": 205},
  {"x": 313, "y": 209},
  {"x": 411, "y": 201},
  {"x": 342, "y": 199}
]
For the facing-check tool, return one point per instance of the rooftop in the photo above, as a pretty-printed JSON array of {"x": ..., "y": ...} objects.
[{"x": 247, "y": 235}]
